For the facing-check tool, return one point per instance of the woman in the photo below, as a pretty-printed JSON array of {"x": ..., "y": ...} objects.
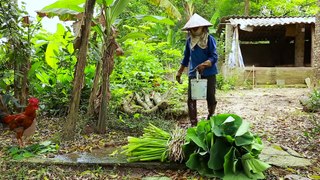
[{"x": 200, "y": 55}]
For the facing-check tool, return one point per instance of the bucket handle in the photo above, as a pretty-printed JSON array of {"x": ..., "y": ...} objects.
[{"x": 197, "y": 73}]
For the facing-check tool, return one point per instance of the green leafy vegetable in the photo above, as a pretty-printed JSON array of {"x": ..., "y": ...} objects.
[
  {"x": 153, "y": 145},
  {"x": 32, "y": 150},
  {"x": 220, "y": 147},
  {"x": 224, "y": 147}
]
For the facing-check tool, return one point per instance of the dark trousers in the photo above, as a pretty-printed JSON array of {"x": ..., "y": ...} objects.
[{"x": 211, "y": 99}]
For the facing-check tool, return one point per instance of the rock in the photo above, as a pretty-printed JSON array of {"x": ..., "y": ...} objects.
[
  {"x": 157, "y": 178},
  {"x": 304, "y": 100},
  {"x": 295, "y": 177},
  {"x": 275, "y": 155},
  {"x": 308, "y": 82}
]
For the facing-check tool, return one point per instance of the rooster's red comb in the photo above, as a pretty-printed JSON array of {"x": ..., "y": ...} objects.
[{"x": 33, "y": 100}]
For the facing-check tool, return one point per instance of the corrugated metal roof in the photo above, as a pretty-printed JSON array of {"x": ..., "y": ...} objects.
[
  {"x": 262, "y": 21},
  {"x": 254, "y": 28},
  {"x": 266, "y": 21}
]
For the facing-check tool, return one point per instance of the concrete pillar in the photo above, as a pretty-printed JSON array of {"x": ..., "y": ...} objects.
[
  {"x": 312, "y": 46},
  {"x": 316, "y": 53},
  {"x": 227, "y": 50},
  {"x": 299, "y": 45},
  {"x": 228, "y": 40}
]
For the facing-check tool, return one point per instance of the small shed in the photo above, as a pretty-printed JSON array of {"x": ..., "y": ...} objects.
[{"x": 269, "y": 50}]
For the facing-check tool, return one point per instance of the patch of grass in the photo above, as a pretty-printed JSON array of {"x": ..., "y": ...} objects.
[
  {"x": 313, "y": 132},
  {"x": 137, "y": 122}
]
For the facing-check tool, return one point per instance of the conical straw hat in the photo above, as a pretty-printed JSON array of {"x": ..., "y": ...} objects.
[{"x": 196, "y": 21}]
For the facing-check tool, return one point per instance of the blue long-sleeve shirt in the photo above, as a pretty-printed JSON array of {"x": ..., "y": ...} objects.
[{"x": 192, "y": 58}]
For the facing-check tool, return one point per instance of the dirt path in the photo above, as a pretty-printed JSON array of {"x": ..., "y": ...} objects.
[{"x": 259, "y": 102}]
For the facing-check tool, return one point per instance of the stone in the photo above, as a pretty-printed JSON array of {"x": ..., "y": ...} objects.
[
  {"x": 295, "y": 177},
  {"x": 101, "y": 157},
  {"x": 156, "y": 178},
  {"x": 275, "y": 155}
]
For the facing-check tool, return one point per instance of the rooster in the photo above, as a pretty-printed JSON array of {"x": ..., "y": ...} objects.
[{"x": 22, "y": 121}]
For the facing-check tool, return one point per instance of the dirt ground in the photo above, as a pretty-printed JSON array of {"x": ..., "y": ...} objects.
[{"x": 274, "y": 113}]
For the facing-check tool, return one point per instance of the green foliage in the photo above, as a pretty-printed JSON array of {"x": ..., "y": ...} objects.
[
  {"x": 264, "y": 8},
  {"x": 285, "y": 8},
  {"x": 226, "y": 8},
  {"x": 116, "y": 9},
  {"x": 32, "y": 150},
  {"x": 160, "y": 27},
  {"x": 15, "y": 39},
  {"x": 170, "y": 9},
  {"x": 52, "y": 79},
  {"x": 136, "y": 123},
  {"x": 206, "y": 10},
  {"x": 312, "y": 102},
  {"x": 65, "y": 9},
  {"x": 226, "y": 84},
  {"x": 140, "y": 69},
  {"x": 314, "y": 132},
  {"x": 144, "y": 67},
  {"x": 15, "y": 45},
  {"x": 315, "y": 100},
  {"x": 224, "y": 147}
]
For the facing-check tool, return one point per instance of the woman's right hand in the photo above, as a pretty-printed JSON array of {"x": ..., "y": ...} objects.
[
  {"x": 179, "y": 73},
  {"x": 178, "y": 78}
]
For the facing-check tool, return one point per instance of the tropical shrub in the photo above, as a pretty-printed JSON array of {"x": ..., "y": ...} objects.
[
  {"x": 52, "y": 69},
  {"x": 226, "y": 83},
  {"x": 145, "y": 66}
]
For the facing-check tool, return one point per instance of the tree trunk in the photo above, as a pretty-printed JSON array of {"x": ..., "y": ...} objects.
[
  {"x": 21, "y": 70},
  {"x": 94, "y": 91},
  {"x": 247, "y": 8},
  {"x": 317, "y": 50},
  {"x": 17, "y": 83},
  {"x": 25, "y": 68},
  {"x": 95, "y": 85},
  {"x": 107, "y": 67},
  {"x": 79, "y": 72},
  {"x": 24, "y": 85},
  {"x": 3, "y": 107}
]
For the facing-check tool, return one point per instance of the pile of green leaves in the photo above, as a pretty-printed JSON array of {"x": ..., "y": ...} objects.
[
  {"x": 223, "y": 147},
  {"x": 32, "y": 150}
]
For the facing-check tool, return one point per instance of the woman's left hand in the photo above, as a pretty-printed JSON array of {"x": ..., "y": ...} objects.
[{"x": 203, "y": 66}]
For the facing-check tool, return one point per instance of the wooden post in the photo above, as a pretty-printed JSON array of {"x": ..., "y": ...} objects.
[
  {"x": 253, "y": 77},
  {"x": 299, "y": 46},
  {"x": 228, "y": 40},
  {"x": 312, "y": 45}
]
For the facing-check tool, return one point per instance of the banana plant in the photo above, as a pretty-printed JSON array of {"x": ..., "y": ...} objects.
[
  {"x": 110, "y": 10},
  {"x": 105, "y": 28}
]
